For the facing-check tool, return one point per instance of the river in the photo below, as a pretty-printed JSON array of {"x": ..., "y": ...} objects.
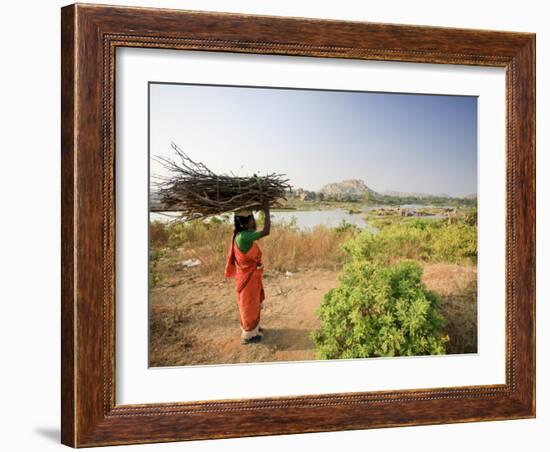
[
  {"x": 303, "y": 219},
  {"x": 307, "y": 219}
]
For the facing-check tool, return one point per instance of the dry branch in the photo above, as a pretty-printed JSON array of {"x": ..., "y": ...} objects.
[{"x": 197, "y": 192}]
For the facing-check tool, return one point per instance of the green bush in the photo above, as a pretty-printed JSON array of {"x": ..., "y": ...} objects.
[
  {"x": 455, "y": 243},
  {"x": 379, "y": 311},
  {"x": 345, "y": 226},
  {"x": 471, "y": 217},
  {"x": 425, "y": 240},
  {"x": 154, "y": 258}
]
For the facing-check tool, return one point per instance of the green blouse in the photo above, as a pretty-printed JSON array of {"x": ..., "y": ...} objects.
[{"x": 245, "y": 239}]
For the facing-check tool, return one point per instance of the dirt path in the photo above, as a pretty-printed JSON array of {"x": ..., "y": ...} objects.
[
  {"x": 195, "y": 319},
  {"x": 207, "y": 330}
]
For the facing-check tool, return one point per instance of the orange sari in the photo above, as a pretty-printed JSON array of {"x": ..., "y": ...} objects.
[{"x": 247, "y": 270}]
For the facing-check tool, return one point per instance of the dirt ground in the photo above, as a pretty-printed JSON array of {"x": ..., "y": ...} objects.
[{"x": 194, "y": 319}]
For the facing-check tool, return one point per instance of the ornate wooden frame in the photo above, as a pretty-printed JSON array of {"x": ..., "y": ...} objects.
[{"x": 90, "y": 34}]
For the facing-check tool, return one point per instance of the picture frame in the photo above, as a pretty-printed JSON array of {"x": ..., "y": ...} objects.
[{"x": 90, "y": 35}]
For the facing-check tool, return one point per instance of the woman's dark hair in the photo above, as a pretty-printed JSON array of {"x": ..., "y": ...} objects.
[{"x": 240, "y": 223}]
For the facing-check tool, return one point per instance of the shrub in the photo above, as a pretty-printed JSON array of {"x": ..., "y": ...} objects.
[
  {"x": 455, "y": 242},
  {"x": 345, "y": 226},
  {"x": 158, "y": 234},
  {"x": 154, "y": 276},
  {"x": 379, "y": 311},
  {"x": 425, "y": 240},
  {"x": 471, "y": 217}
]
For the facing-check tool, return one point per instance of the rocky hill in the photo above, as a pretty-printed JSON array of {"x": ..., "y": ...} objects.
[{"x": 353, "y": 188}]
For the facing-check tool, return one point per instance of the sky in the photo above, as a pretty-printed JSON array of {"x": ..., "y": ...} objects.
[{"x": 398, "y": 142}]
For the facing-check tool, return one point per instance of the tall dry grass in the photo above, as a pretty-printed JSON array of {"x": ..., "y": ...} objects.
[{"x": 285, "y": 249}]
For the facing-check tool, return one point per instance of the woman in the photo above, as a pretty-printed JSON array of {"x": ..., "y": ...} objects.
[{"x": 244, "y": 263}]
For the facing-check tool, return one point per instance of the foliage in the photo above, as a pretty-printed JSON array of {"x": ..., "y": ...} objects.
[
  {"x": 422, "y": 239},
  {"x": 154, "y": 275},
  {"x": 345, "y": 226},
  {"x": 393, "y": 200},
  {"x": 157, "y": 233},
  {"x": 293, "y": 223},
  {"x": 471, "y": 217},
  {"x": 379, "y": 311}
]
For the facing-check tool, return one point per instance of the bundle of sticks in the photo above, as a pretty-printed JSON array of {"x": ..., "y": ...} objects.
[{"x": 197, "y": 192}]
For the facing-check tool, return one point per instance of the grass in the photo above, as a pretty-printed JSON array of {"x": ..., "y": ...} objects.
[
  {"x": 286, "y": 249},
  {"x": 289, "y": 248},
  {"x": 457, "y": 286}
]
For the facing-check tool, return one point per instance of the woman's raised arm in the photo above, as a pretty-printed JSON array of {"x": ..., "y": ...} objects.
[{"x": 267, "y": 221}]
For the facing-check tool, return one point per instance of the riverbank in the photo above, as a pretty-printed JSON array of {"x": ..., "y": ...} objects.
[
  {"x": 376, "y": 200},
  {"x": 337, "y": 214}
]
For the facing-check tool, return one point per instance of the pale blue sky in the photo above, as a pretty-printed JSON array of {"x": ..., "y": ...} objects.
[{"x": 403, "y": 142}]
